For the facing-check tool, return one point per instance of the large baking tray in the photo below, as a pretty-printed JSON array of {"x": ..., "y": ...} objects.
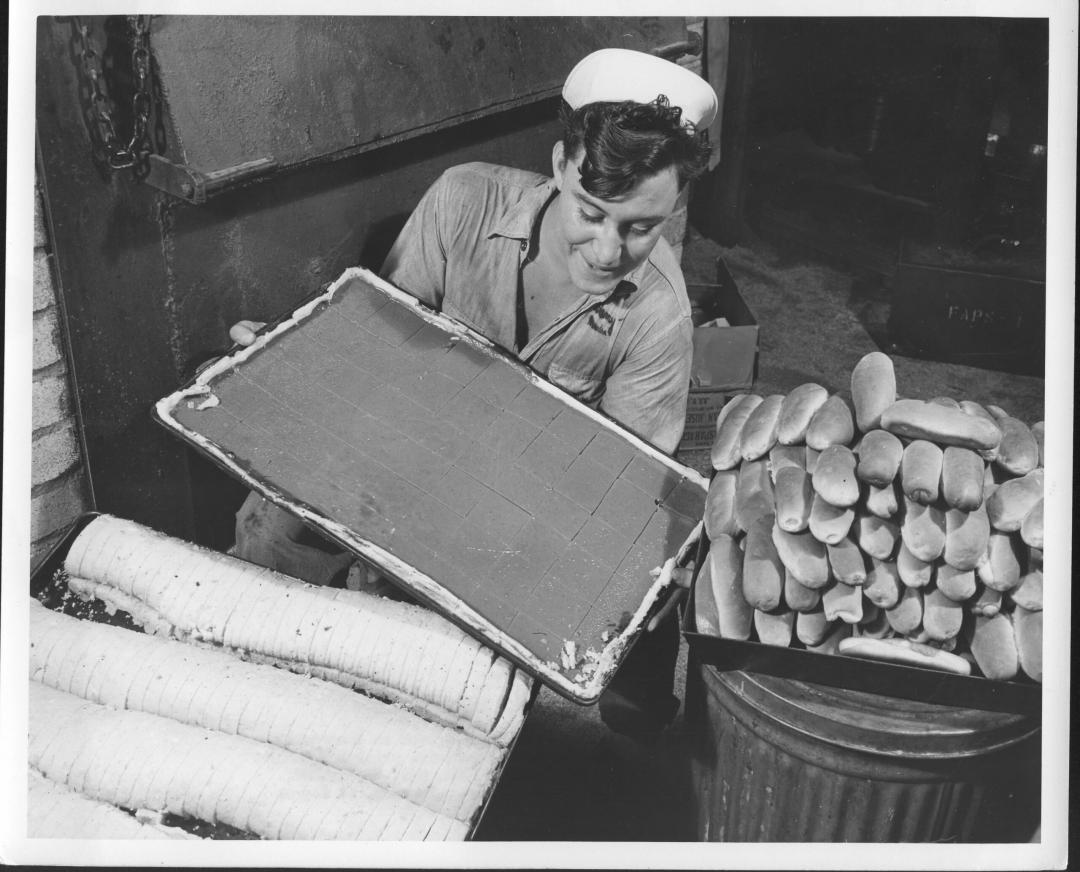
[
  {"x": 48, "y": 587},
  {"x": 856, "y": 673},
  {"x": 529, "y": 519}
]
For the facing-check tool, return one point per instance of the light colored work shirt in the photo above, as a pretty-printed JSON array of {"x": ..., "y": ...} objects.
[{"x": 628, "y": 354}]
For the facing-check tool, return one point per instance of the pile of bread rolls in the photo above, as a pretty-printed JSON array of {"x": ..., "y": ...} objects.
[{"x": 896, "y": 529}]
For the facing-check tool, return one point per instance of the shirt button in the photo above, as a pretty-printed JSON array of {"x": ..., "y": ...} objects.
[{"x": 524, "y": 245}]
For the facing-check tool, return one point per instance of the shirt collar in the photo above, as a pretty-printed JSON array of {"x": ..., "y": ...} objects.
[{"x": 518, "y": 222}]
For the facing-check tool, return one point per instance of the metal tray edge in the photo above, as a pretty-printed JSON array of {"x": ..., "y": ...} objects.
[{"x": 416, "y": 583}]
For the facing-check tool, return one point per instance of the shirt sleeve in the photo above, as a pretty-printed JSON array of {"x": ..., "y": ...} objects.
[
  {"x": 647, "y": 391},
  {"x": 417, "y": 261}
]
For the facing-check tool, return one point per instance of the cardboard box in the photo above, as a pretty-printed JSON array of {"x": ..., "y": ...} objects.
[
  {"x": 725, "y": 357},
  {"x": 959, "y": 313}
]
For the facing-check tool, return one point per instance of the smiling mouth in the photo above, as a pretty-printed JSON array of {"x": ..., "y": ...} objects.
[{"x": 603, "y": 270}]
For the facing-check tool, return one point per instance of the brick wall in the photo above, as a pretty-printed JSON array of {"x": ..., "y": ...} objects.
[{"x": 59, "y": 491}]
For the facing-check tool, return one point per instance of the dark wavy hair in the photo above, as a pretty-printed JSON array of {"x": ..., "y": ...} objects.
[{"x": 626, "y": 142}]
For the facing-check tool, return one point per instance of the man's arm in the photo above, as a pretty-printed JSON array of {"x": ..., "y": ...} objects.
[
  {"x": 647, "y": 391},
  {"x": 417, "y": 261}
]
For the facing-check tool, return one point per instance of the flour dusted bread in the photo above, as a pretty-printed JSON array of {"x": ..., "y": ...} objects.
[
  {"x": 197, "y": 685},
  {"x": 386, "y": 648},
  {"x": 259, "y": 784}
]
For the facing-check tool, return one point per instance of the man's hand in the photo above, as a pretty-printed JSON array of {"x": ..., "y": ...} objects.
[
  {"x": 681, "y": 576},
  {"x": 243, "y": 332}
]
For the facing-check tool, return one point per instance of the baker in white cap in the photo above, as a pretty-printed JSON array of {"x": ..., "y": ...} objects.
[{"x": 571, "y": 274}]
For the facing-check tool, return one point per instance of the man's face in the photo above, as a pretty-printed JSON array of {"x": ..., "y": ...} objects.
[{"x": 604, "y": 240}]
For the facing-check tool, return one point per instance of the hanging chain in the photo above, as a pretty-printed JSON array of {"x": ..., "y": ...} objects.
[{"x": 116, "y": 153}]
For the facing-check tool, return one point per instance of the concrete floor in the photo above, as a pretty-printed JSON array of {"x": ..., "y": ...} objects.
[{"x": 569, "y": 777}]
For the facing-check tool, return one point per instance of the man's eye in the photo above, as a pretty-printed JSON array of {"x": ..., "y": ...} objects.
[
  {"x": 643, "y": 231},
  {"x": 592, "y": 219}
]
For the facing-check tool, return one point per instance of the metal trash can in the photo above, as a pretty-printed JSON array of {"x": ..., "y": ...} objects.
[{"x": 777, "y": 760}]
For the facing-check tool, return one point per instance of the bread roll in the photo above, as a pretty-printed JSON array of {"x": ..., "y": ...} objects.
[
  {"x": 832, "y": 424},
  {"x": 905, "y": 651},
  {"x": 1038, "y": 430},
  {"x": 1018, "y": 452},
  {"x": 706, "y": 612},
  {"x": 734, "y": 615},
  {"x": 958, "y": 585},
  {"x": 920, "y": 471},
  {"x": 784, "y": 456},
  {"x": 834, "y": 476},
  {"x": 879, "y": 457},
  {"x": 882, "y": 502},
  {"x": 1028, "y": 593},
  {"x": 906, "y": 616},
  {"x": 753, "y": 493},
  {"x": 763, "y": 571},
  {"x": 794, "y": 496},
  {"x": 917, "y": 419},
  {"x": 942, "y": 616},
  {"x": 812, "y": 627},
  {"x": 1031, "y": 529},
  {"x": 1011, "y": 501},
  {"x": 962, "y": 472},
  {"x": 993, "y": 645},
  {"x": 847, "y": 563},
  {"x": 877, "y": 537},
  {"x": 796, "y": 411},
  {"x": 923, "y": 530},
  {"x": 804, "y": 556},
  {"x": 966, "y": 536},
  {"x": 970, "y": 407},
  {"x": 759, "y": 433},
  {"x": 842, "y": 602},
  {"x": 913, "y": 571},
  {"x": 774, "y": 628},
  {"x": 873, "y": 389},
  {"x": 797, "y": 595},
  {"x": 720, "y": 505},
  {"x": 829, "y": 524},
  {"x": 725, "y": 452},
  {"x": 1027, "y": 630},
  {"x": 883, "y": 585},
  {"x": 1002, "y": 567}
]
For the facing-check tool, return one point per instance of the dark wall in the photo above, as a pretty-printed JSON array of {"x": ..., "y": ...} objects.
[
  {"x": 150, "y": 284},
  {"x": 916, "y": 96}
]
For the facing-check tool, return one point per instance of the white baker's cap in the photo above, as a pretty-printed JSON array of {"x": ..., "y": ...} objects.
[{"x": 612, "y": 75}]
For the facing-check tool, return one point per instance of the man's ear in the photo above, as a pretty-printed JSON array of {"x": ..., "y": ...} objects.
[{"x": 558, "y": 163}]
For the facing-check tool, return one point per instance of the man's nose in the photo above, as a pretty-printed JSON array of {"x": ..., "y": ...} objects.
[{"x": 607, "y": 247}]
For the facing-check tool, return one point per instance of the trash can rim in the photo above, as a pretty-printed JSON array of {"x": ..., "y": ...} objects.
[{"x": 882, "y": 725}]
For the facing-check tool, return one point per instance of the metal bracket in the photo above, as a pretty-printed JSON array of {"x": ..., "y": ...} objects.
[{"x": 192, "y": 185}]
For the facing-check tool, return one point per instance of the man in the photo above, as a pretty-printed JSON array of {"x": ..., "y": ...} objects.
[{"x": 572, "y": 275}]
